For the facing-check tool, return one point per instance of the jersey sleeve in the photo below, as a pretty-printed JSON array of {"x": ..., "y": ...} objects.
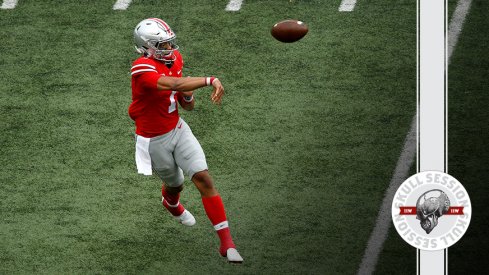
[{"x": 144, "y": 71}]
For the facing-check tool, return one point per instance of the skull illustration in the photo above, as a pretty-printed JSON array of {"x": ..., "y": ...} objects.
[{"x": 429, "y": 207}]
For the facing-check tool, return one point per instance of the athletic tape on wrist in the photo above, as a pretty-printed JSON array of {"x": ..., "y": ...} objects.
[{"x": 209, "y": 80}]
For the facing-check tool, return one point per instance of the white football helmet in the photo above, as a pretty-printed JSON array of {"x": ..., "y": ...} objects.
[{"x": 154, "y": 37}]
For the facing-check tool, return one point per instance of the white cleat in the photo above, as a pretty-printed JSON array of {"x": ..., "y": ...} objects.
[
  {"x": 233, "y": 256},
  {"x": 186, "y": 218}
]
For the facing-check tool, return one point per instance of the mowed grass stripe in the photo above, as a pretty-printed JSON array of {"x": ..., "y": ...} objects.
[
  {"x": 284, "y": 138},
  {"x": 60, "y": 169},
  {"x": 291, "y": 149}
]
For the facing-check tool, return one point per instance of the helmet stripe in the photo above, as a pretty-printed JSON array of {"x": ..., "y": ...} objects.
[{"x": 165, "y": 25}]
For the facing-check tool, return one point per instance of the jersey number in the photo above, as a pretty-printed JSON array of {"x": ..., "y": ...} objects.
[{"x": 173, "y": 104}]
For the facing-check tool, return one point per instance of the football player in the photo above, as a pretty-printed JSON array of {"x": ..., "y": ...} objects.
[{"x": 164, "y": 142}]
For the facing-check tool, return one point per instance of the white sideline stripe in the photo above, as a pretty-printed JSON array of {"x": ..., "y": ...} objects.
[
  {"x": 380, "y": 231},
  {"x": 347, "y": 5},
  {"x": 234, "y": 5},
  {"x": 9, "y": 4},
  {"x": 121, "y": 4}
]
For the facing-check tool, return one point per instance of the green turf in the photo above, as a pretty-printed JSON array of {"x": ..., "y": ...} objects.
[
  {"x": 301, "y": 150},
  {"x": 468, "y": 135}
]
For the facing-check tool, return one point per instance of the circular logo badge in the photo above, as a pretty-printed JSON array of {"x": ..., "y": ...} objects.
[{"x": 431, "y": 210}]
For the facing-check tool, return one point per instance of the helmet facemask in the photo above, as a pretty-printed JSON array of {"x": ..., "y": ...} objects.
[{"x": 164, "y": 50}]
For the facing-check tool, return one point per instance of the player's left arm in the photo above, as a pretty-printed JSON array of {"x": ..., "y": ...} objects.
[{"x": 186, "y": 100}]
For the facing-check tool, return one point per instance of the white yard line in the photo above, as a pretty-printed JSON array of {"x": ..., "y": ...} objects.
[
  {"x": 347, "y": 5},
  {"x": 234, "y": 5},
  {"x": 379, "y": 234},
  {"x": 380, "y": 231},
  {"x": 121, "y": 4},
  {"x": 455, "y": 27},
  {"x": 8, "y": 4}
]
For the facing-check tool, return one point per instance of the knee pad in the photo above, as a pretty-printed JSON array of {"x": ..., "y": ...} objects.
[{"x": 174, "y": 179}]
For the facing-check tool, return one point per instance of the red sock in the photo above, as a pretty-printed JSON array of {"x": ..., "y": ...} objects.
[
  {"x": 172, "y": 203},
  {"x": 214, "y": 208}
]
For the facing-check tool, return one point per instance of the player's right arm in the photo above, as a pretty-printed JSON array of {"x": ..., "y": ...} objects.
[
  {"x": 144, "y": 70},
  {"x": 184, "y": 84}
]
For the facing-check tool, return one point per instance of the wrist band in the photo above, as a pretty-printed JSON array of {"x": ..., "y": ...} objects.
[
  {"x": 188, "y": 99},
  {"x": 209, "y": 80}
]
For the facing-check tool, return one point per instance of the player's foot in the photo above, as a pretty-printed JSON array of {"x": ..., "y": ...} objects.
[
  {"x": 186, "y": 218},
  {"x": 233, "y": 256}
]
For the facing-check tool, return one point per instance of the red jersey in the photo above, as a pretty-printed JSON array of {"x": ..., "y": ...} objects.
[{"x": 154, "y": 111}]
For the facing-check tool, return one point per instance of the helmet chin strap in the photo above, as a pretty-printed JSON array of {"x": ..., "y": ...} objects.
[{"x": 138, "y": 50}]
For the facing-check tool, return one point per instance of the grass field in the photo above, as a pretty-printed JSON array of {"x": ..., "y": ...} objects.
[
  {"x": 468, "y": 134},
  {"x": 301, "y": 150}
]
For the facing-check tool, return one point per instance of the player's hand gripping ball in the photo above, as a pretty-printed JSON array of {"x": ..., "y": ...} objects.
[{"x": 289, "y": 31}]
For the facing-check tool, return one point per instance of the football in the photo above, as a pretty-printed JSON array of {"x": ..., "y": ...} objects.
[{"x": 289, "y": 31}]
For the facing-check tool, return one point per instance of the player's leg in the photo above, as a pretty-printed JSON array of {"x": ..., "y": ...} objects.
[
  {"x": 170, "y": 198},
  {"x": 172, "y": 176},
  {"x": 190, "y": 157},
  {"x": 214, "y": 208}
]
